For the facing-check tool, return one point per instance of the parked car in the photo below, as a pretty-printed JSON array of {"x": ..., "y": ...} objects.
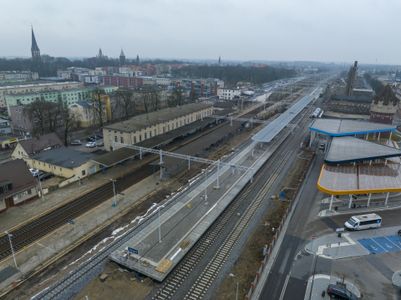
[
  {"x": 90, "y": 145},
  {"x": 100, "y": 143},
  {"x": 44, "y": 176},
  {"x": 90, "y": 139},
  {"x": 34, "y": 172},
  {"x": 75, "y": 143},
  {"x": 339, "y": 291}
]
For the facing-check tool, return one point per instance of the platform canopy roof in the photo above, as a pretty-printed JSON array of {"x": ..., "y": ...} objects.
[
  {"x": 349, "y": 149},
  {"x": 267, "y": 133},
  {"x": 363, "y": 179},
  {"x": 339, "y": 127},
  {"x": 115, "y": 157}
]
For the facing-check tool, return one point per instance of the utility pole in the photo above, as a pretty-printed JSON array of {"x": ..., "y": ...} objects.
[
  {"x": 11, "y": 247},
  {"x": 205, "y": 195}
]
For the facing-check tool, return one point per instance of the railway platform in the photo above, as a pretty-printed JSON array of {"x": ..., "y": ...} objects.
[{"x": 156, "y": 249}]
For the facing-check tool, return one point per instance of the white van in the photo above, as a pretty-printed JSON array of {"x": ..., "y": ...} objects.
[{"x": 363, "y": 222}]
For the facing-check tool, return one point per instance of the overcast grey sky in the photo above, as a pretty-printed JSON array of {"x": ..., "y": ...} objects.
[{"x": 320, "y": 30}]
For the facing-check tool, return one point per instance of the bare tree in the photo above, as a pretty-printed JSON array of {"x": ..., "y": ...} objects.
[
  {"x": 176, "y": 98},
  {"x": 70, "y": 122},
  {"x": 98, "y": 106},
  {"x": 126, "y": 100},
  {"x": 43, "y": 115}
]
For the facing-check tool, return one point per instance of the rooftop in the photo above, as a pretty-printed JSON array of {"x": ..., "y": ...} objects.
[
  {"x": 34, "y": 83},
  {"x": 349, "y": 149},
  {"x": 17, "y": 173},
  {"x": 266, "y": 134},
  {"x": 40, "y": 143},
  {"x": 362, "y": 179},
  {"x": 145, "y": 120},
  {"x": 64, "y": 157},
  {"x": 387, "y": 96},
  {"x": 340, "y": 127}
]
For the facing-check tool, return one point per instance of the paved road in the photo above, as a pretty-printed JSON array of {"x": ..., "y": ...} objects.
[
  {"x": 280, "y": 283},
  {"x": 288, "y": 277}
]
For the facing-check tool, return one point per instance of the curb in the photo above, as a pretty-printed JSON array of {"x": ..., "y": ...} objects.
[{"x": 272, "y": 257}]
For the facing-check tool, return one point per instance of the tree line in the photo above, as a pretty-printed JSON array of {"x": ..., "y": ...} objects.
[{"x": 232, "y": 74}]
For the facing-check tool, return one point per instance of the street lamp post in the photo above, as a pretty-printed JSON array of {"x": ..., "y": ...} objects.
[
  {"x": 205, "y": 196},
  {"x": 313, "y": 268},
  {"x": 11, "y": 247},
  {"x": 236, "y": 291},
  {"x": 114, "y": 192}
]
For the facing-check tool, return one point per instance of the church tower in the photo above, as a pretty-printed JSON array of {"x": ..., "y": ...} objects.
[
  {"x": 34, "y": 48},
  {"x": 122, "y": 58}
]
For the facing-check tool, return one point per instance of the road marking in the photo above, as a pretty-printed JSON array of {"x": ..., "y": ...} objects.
[
  {"x": 347, "y": 237},
  {"x": 282, "y": 267},
  {"x": 287, "y": 279}
]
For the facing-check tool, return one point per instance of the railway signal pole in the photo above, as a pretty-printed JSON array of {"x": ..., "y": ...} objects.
[
  {"x": 160, "y": 229},
  {"x": 11, "y": 247}
]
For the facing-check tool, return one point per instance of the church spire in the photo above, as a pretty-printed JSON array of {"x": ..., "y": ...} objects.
[
  {"x": 122, "y": 57},
  {"x": 34, "y": 47}
]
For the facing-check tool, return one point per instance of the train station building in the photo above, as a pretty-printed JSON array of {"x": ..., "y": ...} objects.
[
  {"x": 360, "y": 160},
  {"x": 146, "y": 126}
]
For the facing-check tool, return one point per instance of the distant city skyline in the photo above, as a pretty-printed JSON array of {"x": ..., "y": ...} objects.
[{"x": 271, "y": 30}]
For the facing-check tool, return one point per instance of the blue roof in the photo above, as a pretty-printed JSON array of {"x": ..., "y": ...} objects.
[{"x": 339, "y": 127}]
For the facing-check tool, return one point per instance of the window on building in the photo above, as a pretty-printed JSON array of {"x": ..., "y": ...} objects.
[
  {"x": 122, "y": 140},
  {"x": 83, "y": 172},
  {"x": 115, "y": 138}
]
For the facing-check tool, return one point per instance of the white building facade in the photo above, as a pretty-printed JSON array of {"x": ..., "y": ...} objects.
[{"x": 228, "y": 94}]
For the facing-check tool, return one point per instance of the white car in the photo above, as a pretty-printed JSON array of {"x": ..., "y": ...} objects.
[
  {"x": 34, "y": 172},
  {"x": 90, "y": 145}
]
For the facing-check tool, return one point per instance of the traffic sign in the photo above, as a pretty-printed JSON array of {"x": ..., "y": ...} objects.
[{"x": 132, "y": 250}]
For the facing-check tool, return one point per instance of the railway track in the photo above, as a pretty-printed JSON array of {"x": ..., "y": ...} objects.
[
  {"x": 209, "y": 273},
  {"x": 43, "y": 225},
  {"x": 182, "y": 271},
  {"x": 76, "y": 279}
]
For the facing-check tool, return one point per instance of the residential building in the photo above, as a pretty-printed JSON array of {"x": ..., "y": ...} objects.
[
  {"x": 146, "y": 126},
  {"x": 122, "y": 81},
  {"x": 16, "y": 184},
  {"x": 85, "y": 112},
  {"x": 67, "y": 96},
  {"x": 228, "y": 94},
  {"x": 29, "y": 147},
  {"x": 34, "y": 87},
  {"x": 17, "y": 76},
  {"x": 20, "y": 122},
  {"x": 199, "y": 87},
  {"x": 65, "y": 162},
  {"x": 5, "y": 127}
]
